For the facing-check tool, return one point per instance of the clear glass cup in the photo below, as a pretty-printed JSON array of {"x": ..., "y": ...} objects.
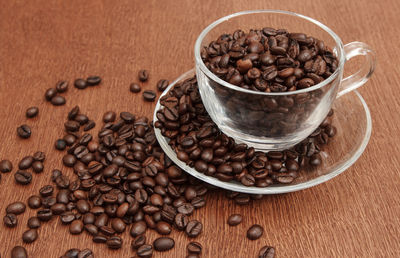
[{"x": 270, "y": 120}]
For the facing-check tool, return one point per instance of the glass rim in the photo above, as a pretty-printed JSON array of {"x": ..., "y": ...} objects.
[{"x": 203, "y": 68}]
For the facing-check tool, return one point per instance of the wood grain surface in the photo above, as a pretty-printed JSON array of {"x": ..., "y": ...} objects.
[{"x": 357, "y": 214}]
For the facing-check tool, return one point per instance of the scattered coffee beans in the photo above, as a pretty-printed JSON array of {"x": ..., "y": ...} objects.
[
  {"x": 32, "y": 112},
  {"x": 255, "y": 232},
  {"x": 24, "y": 131}
]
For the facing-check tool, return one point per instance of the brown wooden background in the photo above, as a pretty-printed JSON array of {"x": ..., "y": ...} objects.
[{"x": 354, "y": 215}]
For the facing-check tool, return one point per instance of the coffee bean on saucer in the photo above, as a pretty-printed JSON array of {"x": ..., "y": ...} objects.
[
  {"x": 135, "y": 88},
  {"x": 80, "y": 84},
  {"x": 5, "y": 166},
  {"x": 10, "y": 220},
  {"x": 143, "y": 75},
  {"x": 24, "y": 131},
  {"x": 93, "y": 80},
  {"x": 58, "y": 100},
  {"x": 19, "y": 252},
  {"x": 255, "y": 232},
  {"x": 149, "y": 95},
  {"x": 32, "y": 112},
  {"x": 235, "y": 219},
  {"x": 162, "y": 85},
  {"x": 61, "y": 86},
  {"x": 267, "y": 252},
  {"x": 23, "y": 177}
]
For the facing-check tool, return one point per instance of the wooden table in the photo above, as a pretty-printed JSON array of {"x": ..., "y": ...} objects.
[{"x": 354, "y": 215}]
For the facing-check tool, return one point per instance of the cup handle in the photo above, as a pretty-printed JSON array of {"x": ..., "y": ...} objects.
[{"x": 360, "y": 77}]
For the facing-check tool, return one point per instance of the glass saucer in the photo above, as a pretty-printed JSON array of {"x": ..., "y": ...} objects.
[{"x": 353, "y": 122}]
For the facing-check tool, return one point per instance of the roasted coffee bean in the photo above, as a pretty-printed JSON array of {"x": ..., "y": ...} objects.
[
  {"x": 235, "y": 219},
  {"x": 32, "y": 112},
  {"x": 145, "y": 251},
  {"x": 76, "y": 227},
  {"x": 39, "y": 156},
  {"x": 163, "y": 244},
  {"x": 109, "y": 116},
  {"x": 162, "y": 85},
  {"x": 5, "y": 166},
  {"x": 26, "y": 162},
  {"x": 186, "y": 209},
  {"x": 266, "y": 252},
  {"x": 138, "y": 241},
  {"x": 135, "y": 88},
  {"x": 62, "y": 182},
  {"x": 86, "y": 253},
  {"x": 143, "y": 75},
  {"x": 181, "y": 221},
  {"x": 60, "y": 144},
  {"x": 194, "y": 228},
  {"x": 163, "y": 228},
  {"x": 255, "y": 232},
  {"x": 19, "y": 252},
  {"x": 194, "y": 248},
  {"x": 50, "y": 93},
  {"x": 37, "y": 166},
  {"x": 62, "y": 86},
  {"x": 149, "y": 95},
  {"x": 30, "y": 236},
  {"x": 16, "y": 208},
  {"x": 81, "y": 119},
  {"x": 24, "y": 131},
  {"x": 23, "y": 177},
  {"x": 71, "y": 126},
  {"x": 49, "y": 201},
  {"x": 80, "y": 84},
  {"x": 90, "y": 125},
  {"x": 118, "y": 225},
  {"x": 34, "y": 202},
  {"x": 34, "y": 222},
  {"x": 138, "y": 228},
  {"x": 58, "y": 100},
  {"x": 99, "y": 239},
  {"x": 114, "y": 242},
  {"x": 44, "y": 214},
  {"x": 58, "y": 208},
  {"x": 10, "y": 220},
  {"x": 93, "y": 80},
  {"x": 69, "y": 160},
  {"x": 72, "y": 253},
  {"x": 46, "y": 190}
]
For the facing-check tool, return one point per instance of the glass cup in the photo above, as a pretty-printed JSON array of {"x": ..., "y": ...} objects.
[{"x": 276, "y": 120}]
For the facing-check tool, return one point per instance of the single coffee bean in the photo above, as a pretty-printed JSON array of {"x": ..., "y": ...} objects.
[
  {"x": 50, "y": 93},
  {"x": 10, "y": 220},
  {"x": 5, "y": 166},
  {"x": 23, "y": 177},
  {"x": 72, "y": 253},
  {"x": 60, "y": 144},
  {"x": 44, "y": 214},
  {"x": 149, "y": 95},
  {"x": 19, "y": 252},
  {"x": 145, "y": 251},
  {"x": 61, "y": 86},
  {"x": 34, "y": 202},
  {"x": 109, "y": 116},
  {"x": 16, "y": 208},
  {"x": 118, "y": 225},
  {"x": 235, "y": 219},
  {"x": 138, "y": 228},
  {"x": 114, "y": 242},
  {"x": 69, "y": 160},
  {"x": 93, "y": 80},
  {"x": 37, "y": 166},
  {"x": 194, "y": 228},
  {"x": 135, "y": 88},
  {"x": 255, "y": 232},
  {"x": 90, "y": 125},
  {"x": 181, "y": 221},
  {"x": 67, "y": 217},
  {"x": 138, "y": 241},
  {"x": 58, "y": 100},
  {"x": 25, "y": 162},
  {"x": 76, "y": 227},
  {"x": 46, "y": 190},
  {"x": 32, "y": 112},
  {"x": 86, "y": 253},
  {"x": 30, "y": 236},
  {"x": 143, "y": 75},
  {"x": 163, "y": 228},
  {"x": 39, "y": 156},
  {"x": 194, "y": 247},
  {"x": 163, "y": 244},
  {"x": 80, "y": 84},
  {"x": 162, "y": 85},
  {"x": 186, "y": 209},
  {"x": 266, "y": 252},
  {"x": 24, "y": 131},
  {"x": 34, "y": 222}
]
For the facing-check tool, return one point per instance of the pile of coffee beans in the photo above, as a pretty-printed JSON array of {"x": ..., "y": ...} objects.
[
  {"x": 199, "y": 143},
  {"x": 269, "y": 60}
]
